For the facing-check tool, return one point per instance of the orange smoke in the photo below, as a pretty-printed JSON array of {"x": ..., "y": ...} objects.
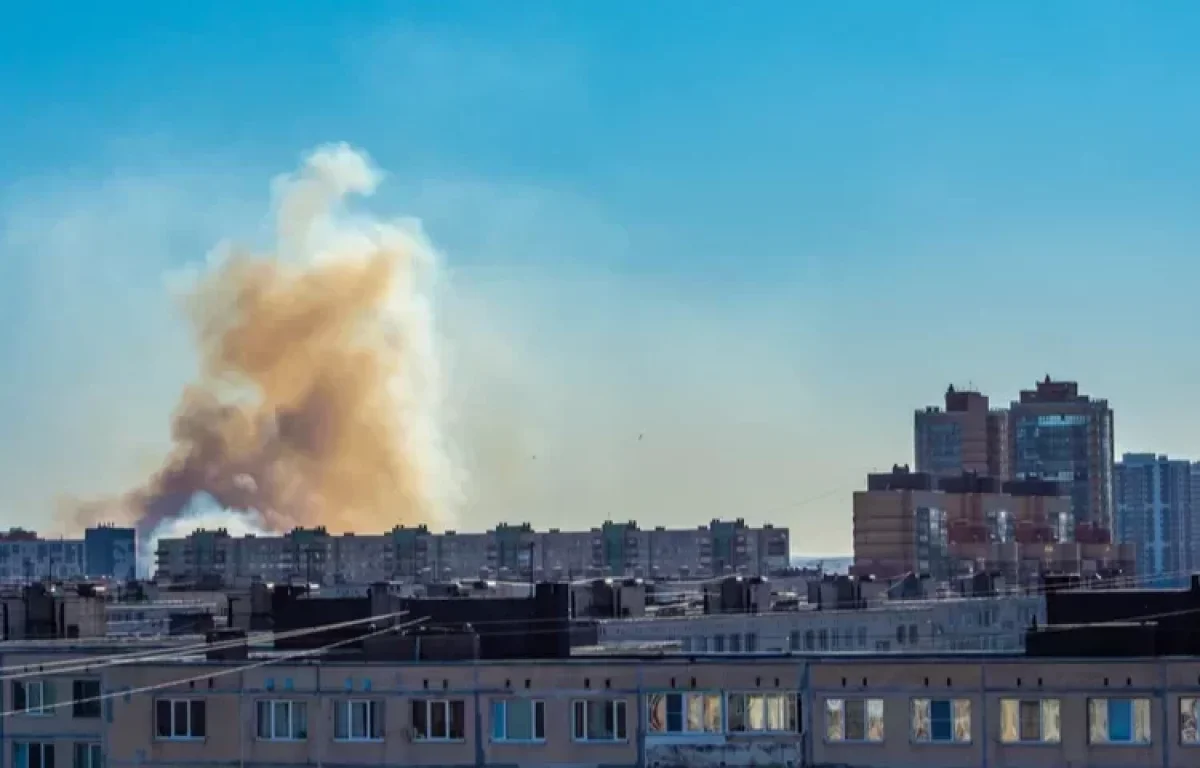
[{"x": 316, "y": 401}]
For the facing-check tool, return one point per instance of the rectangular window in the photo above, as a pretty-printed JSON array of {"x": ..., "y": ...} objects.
[
  {"x": 85, "y": 696},
  {"x": 1189, "y": 716},
  {"x": 941, "y": 721},
  {"x": 358, "y": 720},
  {"x": 438, "y": 719},
  {"x": 518, "y": 720},
  {"x": 763, "y": 713},
  {"x": 859, "y": 720},
  {"x": 33, "y": 754},
  {"x": 282, "y": 720},
  {"x": 33, "y": 697},
  {"x": 1118, "y": 721},
  {"x": 88, "y": 755},
  {"x": 179, "y": 719},
  {"x": 598, "y": 720},
  {"x": 1030, "y": 721},
  {"x": 684, "y": 712}
]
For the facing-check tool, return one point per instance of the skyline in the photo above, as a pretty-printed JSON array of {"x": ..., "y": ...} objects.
[{"x": 758, "y": 241}]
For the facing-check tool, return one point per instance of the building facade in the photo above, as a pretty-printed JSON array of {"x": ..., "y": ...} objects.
[
  {"x": 417, "y": 554},
  {"x": 26, "y": 558},
  {"x": 1060, "y": 435},
  {"x": 1154, "y": 514},
  {"x": 935, "y": 711},
  {"x": 110, "y": 552},
  {"x": 965, "y": 436},
  {"x": 943, "y": 527}
]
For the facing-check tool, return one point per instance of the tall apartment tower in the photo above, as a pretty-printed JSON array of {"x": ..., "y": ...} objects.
[
  {"x": 1060, "y": 435},
  {"x": 965, "y": 436},
  {"x": 1154, "y": 499}
]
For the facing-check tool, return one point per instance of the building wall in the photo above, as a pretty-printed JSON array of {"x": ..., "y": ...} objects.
[
  {"x": 34, "y": 560},
  {"x": 811, "y": 687},
  {"x": 956, "y": 439}
]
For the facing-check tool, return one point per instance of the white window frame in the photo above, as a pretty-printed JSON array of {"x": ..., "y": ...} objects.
[
  {"x": 294, "y": 727},
  {"x": 92, "y": 753},
  {"x": 192, "y": 705},
  {"x": 500, "y": 706},
  {"x": 580, "y": 718},
  {"x": 685, "y": 698},
  {"x": 1043, "y": 706},
  {"x": 374, "y": 719},
  {"x": 846, "y": 701},
  {"x": 954, "y": 702},
  {"x": 448, "y": 705},
  {"x": 790, "y": 711},
  {"x": 1133, "y": 707},
  {"x": 45, "y": 703}
]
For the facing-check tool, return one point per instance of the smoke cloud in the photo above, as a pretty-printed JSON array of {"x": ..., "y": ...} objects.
[{"x": 318, "y": 397}]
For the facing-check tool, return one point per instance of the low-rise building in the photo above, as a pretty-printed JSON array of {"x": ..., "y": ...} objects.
[{"x": 663, "y": 711}]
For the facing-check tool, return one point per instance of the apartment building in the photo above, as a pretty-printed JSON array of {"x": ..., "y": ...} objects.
[
  {"x": 943, "y": 711},
  {"x": 1154, "y": 514},
  {"x": 904, "y": 626},
  {"x": 1060, "y": 435},
  {"x": 944, "y": 526},
  {"x": 964, "y": 436},
  {"x": 417, "y": 554},
  {"x": 103, "y": 552}
]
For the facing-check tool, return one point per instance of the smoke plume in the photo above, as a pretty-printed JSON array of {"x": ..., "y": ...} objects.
[{"x": 317, "y": 397}]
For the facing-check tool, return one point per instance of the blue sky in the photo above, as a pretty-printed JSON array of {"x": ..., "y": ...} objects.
[{"x": 761, "y": 235}]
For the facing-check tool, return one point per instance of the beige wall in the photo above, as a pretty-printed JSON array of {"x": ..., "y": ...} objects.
[{"x": 231, "y": 695}]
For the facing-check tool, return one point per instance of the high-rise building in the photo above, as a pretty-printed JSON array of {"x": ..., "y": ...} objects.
[
  {"x": 965, "y": 436},
  {"x": 1060, "y": 435},
  {"x": 1154, "y": 513}
]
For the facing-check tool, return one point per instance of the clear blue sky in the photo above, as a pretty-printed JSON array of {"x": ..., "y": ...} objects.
[{"x": 760, "y": 234}]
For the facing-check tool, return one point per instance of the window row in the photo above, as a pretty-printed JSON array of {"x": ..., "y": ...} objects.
[
  {"x": 37, "y": 697},
  {"x": 851, "y": 719},
  {"x": 36, "y": 754}
]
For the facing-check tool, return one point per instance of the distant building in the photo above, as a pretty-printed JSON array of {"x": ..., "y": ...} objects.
[
  {"x": 1060, "y": 435},
  {"x": 965, "y": 436},
  {"x": 1155, "y": 514},
  {"x": 26, "y": 558},
  {"x": 110, "y": 552},
  {"x": 507, "y": 551},
  {"x": 943, "y": 527}
]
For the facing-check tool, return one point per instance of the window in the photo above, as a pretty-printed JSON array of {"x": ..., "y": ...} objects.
[
  {"x": 598, "y": 720},
  {"x": 33, "y": 754},
  {"x": 763, "y": 713},
  {"x": 280, "y": 720},
  {"x": 1118, "y": 721},
  {"x": 358, "y": 720},
  {"x": 684, "y": 712},
  {"x": 438, "y": 719},
  {"x": 854, "y": 720},
  {"x": 1030, "y": 721},
  {"x": 33, "y": 697},
  {"x": 941, "y": 721},
  {"x": 1189, "y": 717},
  {"x": 88, "y": 755},
  {"x": 85, "y": 696},
  {"x": 794, "y": 641},
  {"x": 810, "y": 642},
  {"x": 179, "y": 719},
  {"x": 518, "y": 720}
]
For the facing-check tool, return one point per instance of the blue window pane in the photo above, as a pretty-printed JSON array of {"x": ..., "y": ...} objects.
[
  {"x": 498, "y": 720},
  {"x": 270, "y": 685},
  {"x": 1120, "y": 720},
  {"x": 674, "y": 713},
  {"x": 941, "y": 721}
]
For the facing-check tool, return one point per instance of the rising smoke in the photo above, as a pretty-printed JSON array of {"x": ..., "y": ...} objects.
[{"x": 318, "y": 395}]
